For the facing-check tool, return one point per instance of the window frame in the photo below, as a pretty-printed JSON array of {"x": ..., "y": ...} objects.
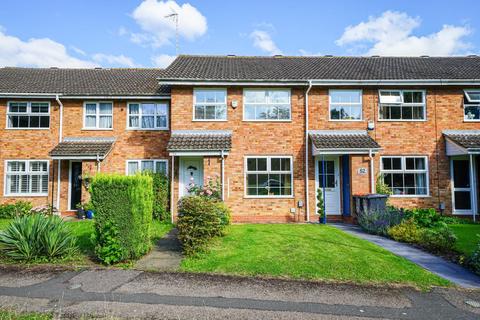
[
  {"x": 424, "y": 104},
  {"x": 97, "y": 115},
  {"x": 289, "y": 90},
  {"x": 139, "y": 162},
  {"x": 28, "y": 113},
  {"x": 350, "y": 104},
  {"x": 404, "y": 171},
  {"x": 269, "y": 157},
  {"x": 216, "y": 104},
  {"x": 27, "y": 166},
  {"x": 471, "y": 103},
  {"x": 140, "y": 115}
]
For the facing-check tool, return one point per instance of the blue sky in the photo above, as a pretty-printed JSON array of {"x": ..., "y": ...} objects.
[{"x": 132, "y": 33}]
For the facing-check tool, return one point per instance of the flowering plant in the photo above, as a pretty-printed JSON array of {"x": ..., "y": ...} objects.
[{"x": 211, "y": 189}]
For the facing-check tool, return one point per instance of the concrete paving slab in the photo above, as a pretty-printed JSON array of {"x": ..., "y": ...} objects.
[
  {"x": 22, "y": 279},
  {"x": 166, "y": 255},
  {"x": 102, "y": 280},
  {"x": 437, "y": 265}
]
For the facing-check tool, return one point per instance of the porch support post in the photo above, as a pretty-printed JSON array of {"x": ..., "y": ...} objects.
[
  {"x": 58, "y": 183},
  {"x": 372, "y": 174},
  {"x": 172, "y": 189},
  {"x": 223, "y": 176},
  {"x": 324, "y": 182},
  {"x": 473, "y": 188}
]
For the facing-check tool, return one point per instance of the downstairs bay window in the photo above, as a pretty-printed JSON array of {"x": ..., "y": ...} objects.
[
  {"x": 269, "y": 176},
  {"x": 405, "y": 175},
  {"x": 157, "y": 166},
  {"x": 26, "y": 178}
]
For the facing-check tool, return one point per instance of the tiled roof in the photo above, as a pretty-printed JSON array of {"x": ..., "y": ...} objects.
[
  {"x": 200, "y": 140},
  {"x": 342, "y": 139},
  {"x": 321, "y": 68},
  {"x": 468, "y": 139},
  {"x": 82, "y": 82},
  {"x": 83, "y": 147}
]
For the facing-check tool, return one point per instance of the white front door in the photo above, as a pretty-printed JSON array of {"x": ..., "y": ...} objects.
[
  {"x": 331, "y": 177},
  {"x": 191, "y": 172}
]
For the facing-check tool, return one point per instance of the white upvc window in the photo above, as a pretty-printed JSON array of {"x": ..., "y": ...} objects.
[
  {"x": 402, "y": 105},
  {"x": 152, "y": 165},
  {"x": 98, "y": 115},
  {"x": 267, "y": 105},
  {"x": 28, "y": 115},
  {"x": 268, "y": 176},
  {"x": 405, "y": 175},
  {"x": 471, "y": 105},
  {"x": 26, "y": 178},
  {"x": 345, "y": 105},
  {"x": 148, "y": 115},
  {"x": 209, "y": 104}
]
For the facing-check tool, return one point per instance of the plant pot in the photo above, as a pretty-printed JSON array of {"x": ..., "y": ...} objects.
[
  {"x": 80, "y": 214},
  {"x": 89, "y": 214}
]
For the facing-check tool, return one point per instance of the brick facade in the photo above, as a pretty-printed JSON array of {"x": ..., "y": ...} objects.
[{"x": 444, "y": 111}]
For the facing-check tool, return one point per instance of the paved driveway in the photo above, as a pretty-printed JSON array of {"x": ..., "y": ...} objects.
[{"x": 136, "y": 294}]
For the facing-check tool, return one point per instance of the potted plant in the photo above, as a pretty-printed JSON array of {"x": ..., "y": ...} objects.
[
  {"x": 89, "y": 211},
  {"x": 80, "y": 211}
]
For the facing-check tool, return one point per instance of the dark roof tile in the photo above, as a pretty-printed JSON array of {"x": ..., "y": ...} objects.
[
  {"x": 200, "y": 140},
  {"x": 465, "y": 139},
  {"x": 85, "y": 147},
  {"x": 330, "y": 140}
]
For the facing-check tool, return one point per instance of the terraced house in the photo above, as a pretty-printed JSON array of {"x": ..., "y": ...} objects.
[{"x": 272, "y": 129}]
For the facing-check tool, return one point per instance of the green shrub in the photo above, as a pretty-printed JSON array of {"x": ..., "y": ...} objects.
[
  {"x": 424, "y": 218},
  {"x": 211, "y": 189},
  {"x": 123, "y": 205},
  {"x": 407, "y": 231},
  {"x": 381, "y": 187},
  {"x": 474, "y": 260},
  {"x": 440, "y": 239},
  {"x": 161, "y": 196},
  {"x": 199, "y": 220},
  {"x": 17, "y": 209},
  {"x": 379, "y": 222},
  {"x": 38, "y": 237},
  {"x": 108, "y": 248}
]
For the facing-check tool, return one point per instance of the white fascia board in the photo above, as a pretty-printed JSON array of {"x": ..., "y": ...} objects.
[{"x": 197, "y": 153}]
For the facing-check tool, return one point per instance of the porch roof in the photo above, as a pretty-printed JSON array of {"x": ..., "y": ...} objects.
[
  {"x": 461, "y": 142},
  {"x": 83, "y": 148},
  {"x": 342, "y": 142},
  {"x": 200, "y": 142}
]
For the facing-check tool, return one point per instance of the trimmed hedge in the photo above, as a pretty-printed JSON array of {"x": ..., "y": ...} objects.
[
  {"x": 123, "y": 207},
  {"x": 200, "y": 219},
  {"x": 161, "y": 196}
]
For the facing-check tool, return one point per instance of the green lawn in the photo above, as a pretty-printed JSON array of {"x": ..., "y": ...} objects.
[
  {"x": 83, "y": 229},
  {"x": 467, "y": 239},
  {"x": 307, "y": 252}
]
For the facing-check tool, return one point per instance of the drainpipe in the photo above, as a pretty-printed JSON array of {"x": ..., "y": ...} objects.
[
  {"x": 307, "y": 202},
  {"x": 372, "y": 174},
  {"x": 172, "y": 189},
  {"x": 473, "y": 191},
  {"x": 60, "y": 134},
  {"x": 98, "y": 163},
  {"x": 223, "y": 176}
]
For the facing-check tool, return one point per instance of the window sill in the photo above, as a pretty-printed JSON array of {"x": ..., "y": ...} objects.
[
  {"x": 340, "y": 120},
  {"x": 269, "y": 197},
  {"x": 33, "y": 195},
  {"x": 145, "y": 129},
  {"x": 476, "y": 120},
  {"x": 27, "y": 128},
  {"x": 245, "y": 120},
  {"x": 209, "y": 120},
  {"x": 97, "y": 129},
  {"x": 410, "y": 196},
  {"x": 400, "y": 120}
]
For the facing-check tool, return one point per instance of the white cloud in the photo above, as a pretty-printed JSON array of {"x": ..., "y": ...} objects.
[
  {"x": 112, "y": 60},
  {"x": 391, "y": 35},
  {"x": 150, "y": 15},
  {"x": 42, "y": 52},
  {"x": 304, "y": 52},
  {"x": 163, "y": 60},
  {"x": 263, "y": 41}
]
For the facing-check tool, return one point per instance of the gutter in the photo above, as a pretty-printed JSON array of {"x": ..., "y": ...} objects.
[{"x": 307, "y": 202}]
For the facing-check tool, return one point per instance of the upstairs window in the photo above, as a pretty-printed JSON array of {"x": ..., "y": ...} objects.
[
  {"x": 148, "y": 116},
  {"x": 98, "y": 115},
  {"x": 345, "y": 105},
  {"x": 28, "y": 115},
  {"x": 402, "y": 105},
  {"x": 26, "y": 178},
  {"x": 210, "y": 104},
  {"x": 471, "y": 105},
  {"x": 266, "y": 105},
  {"x": 405, "y": 176},
  {"x": 157, "y": 166}
]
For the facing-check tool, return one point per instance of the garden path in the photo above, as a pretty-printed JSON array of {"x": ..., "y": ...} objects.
[{"x": 165, "y": 256}]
